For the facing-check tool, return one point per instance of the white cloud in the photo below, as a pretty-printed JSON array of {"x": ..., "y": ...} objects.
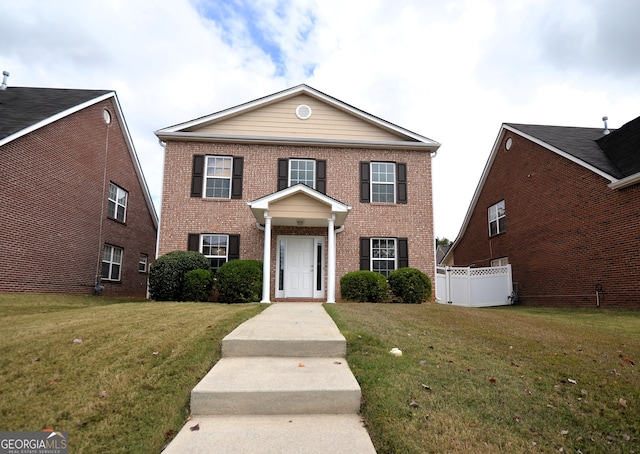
[{"x": 450, "y": 70}]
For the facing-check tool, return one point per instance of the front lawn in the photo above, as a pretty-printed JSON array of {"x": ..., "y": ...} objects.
[
  {"x": 510, "y": 379},
  {"x": 116, "y": 374}
]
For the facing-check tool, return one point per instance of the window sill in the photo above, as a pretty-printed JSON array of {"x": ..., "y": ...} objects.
[{"x": 117, "y": 220}]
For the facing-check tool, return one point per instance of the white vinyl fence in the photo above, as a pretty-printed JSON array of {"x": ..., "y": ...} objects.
[{"x": 474, "y": 287}]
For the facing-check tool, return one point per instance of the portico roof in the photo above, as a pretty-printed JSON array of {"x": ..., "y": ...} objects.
[{"x": 299, "y": 205}]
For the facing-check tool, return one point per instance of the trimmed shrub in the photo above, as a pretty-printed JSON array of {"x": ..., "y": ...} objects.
[
  {"x": 410, "y": 285},
  {"x": 240, "y": 281},
  {"x": 197, "y": 285},
  {"x": 166, "y": 274},
  {"x": 364, "y": 286}
]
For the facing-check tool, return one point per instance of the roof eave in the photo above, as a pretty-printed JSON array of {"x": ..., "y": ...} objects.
[
  {"x": 625, "y": 182},
  {"x": 296, "y": 141}
]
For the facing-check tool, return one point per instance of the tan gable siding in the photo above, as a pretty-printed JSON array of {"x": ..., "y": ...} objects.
[
  {"x": 280, "y": 120},
  {"x": 299, "y": 206}
]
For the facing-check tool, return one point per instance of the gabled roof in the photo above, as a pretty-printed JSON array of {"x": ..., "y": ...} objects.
[
  {"x": 407, "y": 139},
  {"x": 614, "y": 156},
  {"x": 25, "y": 109},
  {"x": 339, "y": 209}
]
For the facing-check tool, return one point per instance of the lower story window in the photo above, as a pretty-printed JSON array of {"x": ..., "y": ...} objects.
[
  {"x": 383, "y": 255},
  {"x": 504, "y": 261},
  {"x": 215, "y": 248},
  {"x": 111, "y": 262},
  {"x": 143, "y": 262}
]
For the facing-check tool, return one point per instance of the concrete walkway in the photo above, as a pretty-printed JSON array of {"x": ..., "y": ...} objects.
[{"x": 281, "y": 386}]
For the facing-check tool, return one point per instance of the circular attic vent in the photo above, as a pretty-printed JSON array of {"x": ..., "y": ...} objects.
[{"x": 303, "y": 111}]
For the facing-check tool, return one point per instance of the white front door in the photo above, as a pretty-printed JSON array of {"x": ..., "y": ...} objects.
[{"x": 299, "y": 267}]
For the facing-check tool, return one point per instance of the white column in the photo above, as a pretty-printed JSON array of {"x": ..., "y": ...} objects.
[
  {"x": 266, "y": 265},
  {"x": 331, "y": 265}
]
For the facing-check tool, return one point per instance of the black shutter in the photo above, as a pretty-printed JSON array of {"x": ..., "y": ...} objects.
[
  {"x": 197, "y": 174},
  {"x": 364, "y": 183},
  {"x": 236, "y": 180},
  {"x": 365, "y": 254},
  {"x": 321, "y": 176},
  {"x": 283, "y": 174},
  {"x": 401, "y": 182},
  {"x": 403, "y": 253},
  {"x": 234, "y": 247},
  {"x": 194, "y": 242}
]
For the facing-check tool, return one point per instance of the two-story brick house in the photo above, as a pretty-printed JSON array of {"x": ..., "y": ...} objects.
[
  {"x": 561, "y": 205},
  {"x": 76, "y": 215},
  {"x": 312, "y": 186}
]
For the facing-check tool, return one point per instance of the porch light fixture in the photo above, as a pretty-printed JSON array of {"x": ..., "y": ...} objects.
[{"x": 300, "y": 222}]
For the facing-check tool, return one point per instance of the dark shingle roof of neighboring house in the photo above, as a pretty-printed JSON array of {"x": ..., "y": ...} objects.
[
  {"x": 578, "y": 142},
  {"x": 22, "y": 107},
  {"x": 623, "y": 147}
]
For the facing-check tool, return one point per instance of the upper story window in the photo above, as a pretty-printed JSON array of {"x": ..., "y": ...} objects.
[
  {"x": 217, "y": 177},
  {"x": 497, "y": 218},
  {"x": 302, "y": 171},
  {"x": 111, "y": 262},
  {"x": 312, "y": 172},
  {"x": 383, "y": 182},
  {"x": 117, "y": 203}
]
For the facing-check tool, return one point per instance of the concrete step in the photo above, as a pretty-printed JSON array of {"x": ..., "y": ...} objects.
[
  {"x": 309, "y": 434},
  {"x": 277, "y": 386},
  {"x": 287, "y": 330}
]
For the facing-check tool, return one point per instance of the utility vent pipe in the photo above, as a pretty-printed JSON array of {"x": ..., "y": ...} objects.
[
  {"x": 4, "y": 80},
  {"x": 606, "y": 128}
]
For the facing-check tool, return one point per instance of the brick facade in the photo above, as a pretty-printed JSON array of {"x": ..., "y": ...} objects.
[
  {"x": 567, "y": 234},
  {"x": 53, "y": 199},
  {"x": 182, "y": 214}
]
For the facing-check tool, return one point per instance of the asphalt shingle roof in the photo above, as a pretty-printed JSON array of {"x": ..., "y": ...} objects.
[
  {"x": 21, "y": 107},
  {"x": 623, "y": 147}
]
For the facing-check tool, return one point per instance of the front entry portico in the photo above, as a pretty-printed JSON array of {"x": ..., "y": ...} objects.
[{"x": 300, "y": 259}]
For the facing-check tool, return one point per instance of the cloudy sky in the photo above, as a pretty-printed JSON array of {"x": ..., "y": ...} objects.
[{"x": 451, "y": 70}]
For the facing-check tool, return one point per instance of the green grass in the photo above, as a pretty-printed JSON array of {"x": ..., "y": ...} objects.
[
  {"x": 126, "y": 387},
  {"x": 495, "y": 380}
]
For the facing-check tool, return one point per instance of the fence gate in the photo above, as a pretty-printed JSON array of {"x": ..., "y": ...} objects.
[{"x": 474, "y": 287}]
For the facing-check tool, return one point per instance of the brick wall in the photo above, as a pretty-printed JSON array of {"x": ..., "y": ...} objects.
[
  {"x": 182, "y": 214},
  {"x": 51, "y": 208},
  {"x": 566, "y": 234}
]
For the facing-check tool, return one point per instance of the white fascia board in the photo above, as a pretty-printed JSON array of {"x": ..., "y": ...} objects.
[
  {"x": 263, "y": 202},
  {"x": 268, "y": 140},
  {"x": 625, "y": 182},
  {"x": 293, "y": 92},
  {"x": 136, "y": 162},
  {"x": 56, "y": 117}
]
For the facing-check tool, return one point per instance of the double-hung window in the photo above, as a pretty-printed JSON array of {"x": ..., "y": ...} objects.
[
  {"x": 383, "y": 182},
  {"x": 383, "y": 255},
  {"x": 111, "y": 262},
  {"x": 312, "y": 172},
  {"x": 143, "y": 262},
  {"x": 218, "y": 177},
  {"x": 302, "y": 171},
  {"x": 497, "y": 218},
  {"x": 215, "y": 248},
  {"x": 117, "y": 203}
]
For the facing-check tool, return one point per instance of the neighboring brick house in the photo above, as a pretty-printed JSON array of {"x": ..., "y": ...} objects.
[
  {"x": 562, "y": 206},
  {"x": 331, "y": 188},
  {"x": 76, "y": 216}
]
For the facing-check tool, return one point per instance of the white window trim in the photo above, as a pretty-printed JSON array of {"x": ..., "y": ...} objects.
[
  {"x": 495, "y": 211},
  {"x": 226, "y": 256},
  {"x": 207, "y": 178},
  {"x": 143, "y": 260},
  {"x": 392, "y": 183},
  {"x": 502, "y": 261},
  {"x": 395, "y": 253},
  {"x": 111, "y": 262},
  {"x": 116, "y": 202},
  {"x": 313, "y": 180}
]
